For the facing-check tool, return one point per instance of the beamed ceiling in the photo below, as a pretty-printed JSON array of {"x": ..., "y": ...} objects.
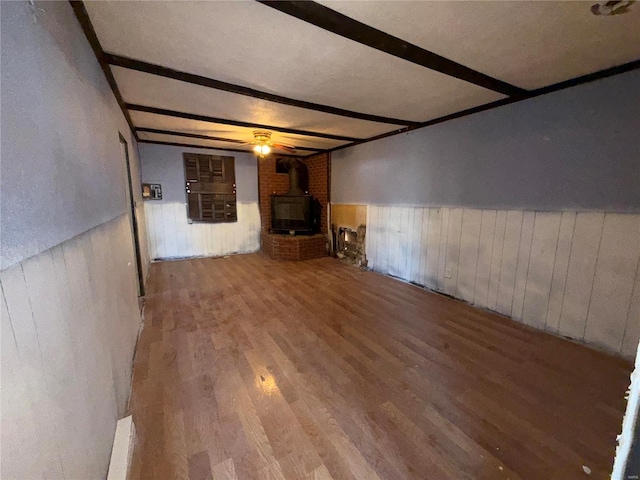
[{"x": 324, "y": 75}]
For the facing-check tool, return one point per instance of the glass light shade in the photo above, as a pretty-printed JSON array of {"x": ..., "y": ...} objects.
[{"x": 262, "y": 149}]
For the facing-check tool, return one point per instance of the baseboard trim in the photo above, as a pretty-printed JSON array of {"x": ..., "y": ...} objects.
[{"x": 122, "y": 449}]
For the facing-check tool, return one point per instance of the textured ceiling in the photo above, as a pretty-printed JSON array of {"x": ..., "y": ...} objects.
[
  {"x": 529, "y": 45},
  {"x": 152, "y": 90}
]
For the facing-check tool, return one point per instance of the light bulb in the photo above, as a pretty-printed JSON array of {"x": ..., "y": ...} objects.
[{"x": 262, "y": 149}]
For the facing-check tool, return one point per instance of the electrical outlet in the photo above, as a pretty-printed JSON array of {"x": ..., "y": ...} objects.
[{"x": 447, "y": 273}]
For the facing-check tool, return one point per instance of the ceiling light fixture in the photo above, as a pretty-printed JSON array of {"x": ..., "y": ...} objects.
[
  {"x": 262, "y": 141},
  {"x": 262, "y": 144}
]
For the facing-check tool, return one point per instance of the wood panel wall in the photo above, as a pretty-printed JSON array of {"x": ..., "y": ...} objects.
[
  {"x": 144, "y": 242},
  {"x": 169, "y": 235},
  {"x": 70, "y": 320},
  {"x": 570, "y": 273}
]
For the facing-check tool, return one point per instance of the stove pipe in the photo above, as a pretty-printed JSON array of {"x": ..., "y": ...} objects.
[{"x": 293, "y": 167}]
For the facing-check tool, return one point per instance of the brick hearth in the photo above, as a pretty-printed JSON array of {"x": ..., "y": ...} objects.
[{"x": 287, "y": 247}]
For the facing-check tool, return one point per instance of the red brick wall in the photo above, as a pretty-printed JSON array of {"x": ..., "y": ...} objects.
[
  {"x": 318, "y": 167},
  {"x": 278, "y": 183},
  {"x": 270, "y": 183},
  {"x": 285, "y": 247}
]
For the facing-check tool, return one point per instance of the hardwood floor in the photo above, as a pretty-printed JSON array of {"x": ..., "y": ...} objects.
[{"x": 250, "y": 368}]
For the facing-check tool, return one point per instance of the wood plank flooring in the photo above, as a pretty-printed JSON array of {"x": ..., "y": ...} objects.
[{"x": 253, "y": 369}]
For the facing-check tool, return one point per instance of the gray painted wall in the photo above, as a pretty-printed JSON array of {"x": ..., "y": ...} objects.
[
  {"x": 574, "y": 149},
  {"x": 163, "y": 164},
  {"x": 69, "y": 305},
  {"x": 62, "y": 172}
]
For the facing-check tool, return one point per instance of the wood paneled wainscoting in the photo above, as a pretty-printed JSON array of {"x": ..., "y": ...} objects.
[
  {"x": 70, "y": 321},
  {"x": 170, "y": 235},
  {"x": 250, "y": 368},
  {"x": 570, "y": 273}
]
